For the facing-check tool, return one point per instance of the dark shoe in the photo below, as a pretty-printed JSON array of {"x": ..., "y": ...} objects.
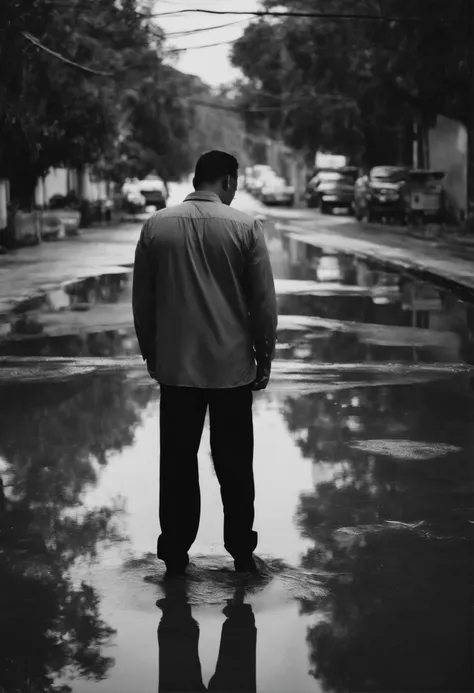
[
  {"x": 246, "y": 566},
  {"x": 175, "y": 576},
  {"x": 175, "y": 571}
]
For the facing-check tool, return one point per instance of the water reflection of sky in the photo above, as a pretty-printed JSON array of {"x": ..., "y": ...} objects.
[
  {"x": 278, "y": 486},
  {"x": 353, "y": 513},
  {"x": 318, "y": 497},
  {"x": 281, "y": 475},
  {"x": 363, "y": 477}
]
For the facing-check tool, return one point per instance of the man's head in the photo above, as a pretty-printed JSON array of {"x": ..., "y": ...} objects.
[{"x": 217, "y": 172}]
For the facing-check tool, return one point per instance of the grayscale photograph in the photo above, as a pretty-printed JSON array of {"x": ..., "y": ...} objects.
[{"x": 236, "y": 346}]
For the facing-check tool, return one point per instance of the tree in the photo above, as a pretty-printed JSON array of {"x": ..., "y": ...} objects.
[
  {"x": 350, "y": 86},
  {"x": 85, "y": 84},
  {"x": 53, "y": 441},
  {"x": 52, "y": 112},
  {"x": 218, "y": 122},
  {"x": 160, "y": 122},
  {"x": 171, "y": 119}
]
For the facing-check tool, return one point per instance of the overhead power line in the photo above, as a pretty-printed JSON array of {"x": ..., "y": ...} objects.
[
  {"x": 216, "y": 106},
  {"x": 207, "y": 28},
  {"x": 36, "y": 42},
  {"x": 307, "y": 15},
  {"x": 194, "y": 48},
  {"x": 240, "y": 109}
]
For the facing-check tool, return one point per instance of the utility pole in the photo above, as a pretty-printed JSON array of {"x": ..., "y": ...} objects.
[
  {"x": 295, "y": 157},
  {"x": 470, "y": 116},
  {"x": 284, "y": 62}
]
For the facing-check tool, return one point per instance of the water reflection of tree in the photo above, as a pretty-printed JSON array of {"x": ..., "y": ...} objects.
[
  {"x": 334, "y": 307},
  {"x": 104, "y": 343},
  {"x": 400, "y": 618},
  {"x": 53, "y": 440},
  {"x": 398, "y": 614},
  {"x": 324, "y": 347}
]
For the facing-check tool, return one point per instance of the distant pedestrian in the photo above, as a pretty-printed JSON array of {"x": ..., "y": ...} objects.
[{"x": 205, "y": 316}]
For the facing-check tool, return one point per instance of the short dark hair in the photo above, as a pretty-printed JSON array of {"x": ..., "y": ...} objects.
[{"x": 214, "y": 165}]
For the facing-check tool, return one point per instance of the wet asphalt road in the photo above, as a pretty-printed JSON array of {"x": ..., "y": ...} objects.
[{"x": 364, "y": 481}]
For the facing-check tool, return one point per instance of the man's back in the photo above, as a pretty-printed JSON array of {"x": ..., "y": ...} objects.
[{"x": 203, "y": 294}]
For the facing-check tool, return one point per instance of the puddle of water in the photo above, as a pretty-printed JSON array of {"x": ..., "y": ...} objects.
[
  {"x": 367, "y": 550},
  {"x": 418, "y": 322},
  {"x": 364, "y": 481},
  {"x": 333, "y": 307}
]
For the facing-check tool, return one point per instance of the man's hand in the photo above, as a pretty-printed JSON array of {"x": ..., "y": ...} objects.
[{"x": 263, "y": 375}]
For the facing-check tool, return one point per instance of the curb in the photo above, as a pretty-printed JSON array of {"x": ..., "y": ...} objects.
[
  {"x": 441, "y": 237},
  {"x": 62, "y": 291},
  {"x": 457, "y": 286}
]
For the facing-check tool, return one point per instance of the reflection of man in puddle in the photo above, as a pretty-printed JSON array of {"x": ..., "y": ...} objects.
[{"x": 178, "y": 639}]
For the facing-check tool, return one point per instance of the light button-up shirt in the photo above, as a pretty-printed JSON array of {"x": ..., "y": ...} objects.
[{"x": 204, "y": 299}]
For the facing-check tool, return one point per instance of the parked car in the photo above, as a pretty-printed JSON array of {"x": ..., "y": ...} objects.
[
  {"x": 140, "y": 194},
  {"x": 276, "y": 191},
  {"x": 134, "y": 201},
  {"x": 154, "y": 191},
  {"x": 382, "y": 193},
  {"x": 257, "y": 178},
  {"x": 70, "y": 219},
  {"x": 331, "y": 188}
]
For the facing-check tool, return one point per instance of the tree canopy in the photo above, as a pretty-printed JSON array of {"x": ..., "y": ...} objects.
[
  {"x": 53, "y": 112},
  {"x": 87, "y": 83},
  {"x": 349, "y": 85}
]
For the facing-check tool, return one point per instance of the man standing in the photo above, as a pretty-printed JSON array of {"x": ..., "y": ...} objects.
[{"x": 205, "y": 315}]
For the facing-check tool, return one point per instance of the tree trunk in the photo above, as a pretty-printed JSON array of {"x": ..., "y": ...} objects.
[
  {"x": 470, "y": 127},
  {"x": 421, "y": 144},
  {"x": 470, "y": 177}
]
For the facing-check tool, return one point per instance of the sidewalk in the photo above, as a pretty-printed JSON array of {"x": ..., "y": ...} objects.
[{"x": 27, "y": 272}]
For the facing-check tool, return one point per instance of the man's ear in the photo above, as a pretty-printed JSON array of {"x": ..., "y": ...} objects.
[{"x": 226, "y": 183}]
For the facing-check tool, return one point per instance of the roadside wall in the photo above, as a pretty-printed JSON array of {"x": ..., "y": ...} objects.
[
  {"x": 60, "y": 181},
  {"x": 26, "y": 228},
  {"x": 447, "y": 143},
  {"x": 54, "y": 183},
  {"x": 92, "y": 190}
]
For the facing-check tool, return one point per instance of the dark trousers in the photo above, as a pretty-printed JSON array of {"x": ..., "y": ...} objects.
[
  {"x": 182, "y": 414},
  {"x": 178, "y": 642}
]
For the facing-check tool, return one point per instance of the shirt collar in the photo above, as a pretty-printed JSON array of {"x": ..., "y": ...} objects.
[{"x": 203, "y": 195}]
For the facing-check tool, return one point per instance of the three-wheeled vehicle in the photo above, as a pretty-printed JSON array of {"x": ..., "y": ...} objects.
[{"x": 425, "y": 197}]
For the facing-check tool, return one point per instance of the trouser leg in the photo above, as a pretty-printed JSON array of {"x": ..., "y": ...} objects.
[
  {"x": 178, "y": 642},
  {"x": 232, "y": 444},
  {"x": 236, "y": 664},
  {"x": 182, "y": 414}
]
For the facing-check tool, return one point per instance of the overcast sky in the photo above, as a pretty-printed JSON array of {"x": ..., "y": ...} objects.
[{"x": 212, "y": 65}]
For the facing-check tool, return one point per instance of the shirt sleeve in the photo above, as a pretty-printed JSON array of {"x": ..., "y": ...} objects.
[
  {"x": 261, "y": 297},
  {"x": 144, "y": 298}
]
